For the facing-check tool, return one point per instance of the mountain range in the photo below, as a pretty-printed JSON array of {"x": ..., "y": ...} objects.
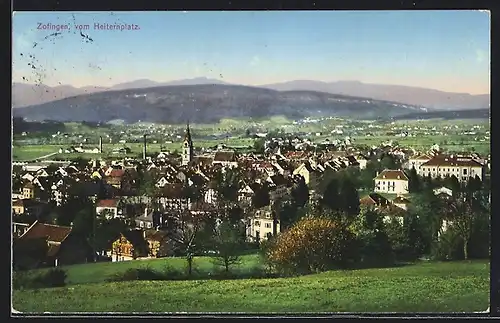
[
  {"x": 33, "y": 94},
  {"x": 208, "y": 103}
]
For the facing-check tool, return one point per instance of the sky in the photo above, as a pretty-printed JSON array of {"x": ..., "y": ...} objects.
[{"x": 443, "y": 50}]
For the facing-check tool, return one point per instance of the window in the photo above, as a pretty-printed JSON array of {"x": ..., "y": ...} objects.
[
  {"x": 433, "y": 169},
  {"x": 268, "y": 225},
  {"x": 448, "y": 170},
  {"x": 465, "y": 171},
  {"x": 141, "y": 224},
  {"x": 257, "y": 223}
]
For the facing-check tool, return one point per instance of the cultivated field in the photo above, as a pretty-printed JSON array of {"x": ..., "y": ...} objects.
[
  {"x": 422, "y": 287},
  {"x": 451, "y": 135}
]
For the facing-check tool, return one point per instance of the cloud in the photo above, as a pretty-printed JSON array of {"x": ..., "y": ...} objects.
[
  {"x": 255, "y": 61},
  {"x": 480, "y": 56}
]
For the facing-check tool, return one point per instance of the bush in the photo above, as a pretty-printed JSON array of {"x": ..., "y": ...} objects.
[
  {"x": 28, "y": 280},
  {"x": 137, "y": 274},
  {"x": 313, "y": 244}
]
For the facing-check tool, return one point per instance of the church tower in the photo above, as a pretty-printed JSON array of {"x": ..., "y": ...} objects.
[{"x": 187, "y": 147}]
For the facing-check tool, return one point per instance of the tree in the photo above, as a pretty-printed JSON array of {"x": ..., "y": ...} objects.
[
  {"x": 348, "y": 198},
  {"x": 389, "y": 162},
  {"x": 331, "y": 196},
  {"x": 183, "y": 228},
  {"x": 373, "y": 242},
  {"x": 462, "y": 213},
  {"x": 259, "y": 146},
  {"x": 300, "y": 193},
  {"x": 414, "y": 181},
  {"x": 313, "y": 244},
  {"x": 227, "y": 243}
]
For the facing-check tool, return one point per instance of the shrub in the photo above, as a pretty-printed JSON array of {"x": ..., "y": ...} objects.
[
  {"x": 313, "y": 244},
  {"x": 144, "y": 273},
  {"x": 28, "y": 280}
]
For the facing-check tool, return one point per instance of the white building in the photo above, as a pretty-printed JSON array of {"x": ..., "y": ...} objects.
[
  {"x": 462, "y": 168},
  {"x": 391, "y": 181},
  {"x": 260, "y": 227},
  {"x": 416, "y": 161}
]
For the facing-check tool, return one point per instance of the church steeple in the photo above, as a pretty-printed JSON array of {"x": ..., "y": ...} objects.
[{"x": 187, "y": 147}]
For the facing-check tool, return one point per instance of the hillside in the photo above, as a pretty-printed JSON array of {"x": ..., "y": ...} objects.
[
  {"x": 429, "y": 98},
  {"x": 32, "y": 94},
  {"x": 461, "y": 286},
  {"x": 207, "y": 104}
]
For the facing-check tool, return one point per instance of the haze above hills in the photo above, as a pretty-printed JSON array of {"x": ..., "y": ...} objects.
[{"x": 29, "y": 94}]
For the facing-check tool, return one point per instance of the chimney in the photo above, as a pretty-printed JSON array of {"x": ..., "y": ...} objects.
[
  {"x": 100, "y": 145},
  {"x": 144, "y": 148}
]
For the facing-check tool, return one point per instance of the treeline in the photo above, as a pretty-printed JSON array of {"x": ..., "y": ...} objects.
[{"x": 20, "y": 126}]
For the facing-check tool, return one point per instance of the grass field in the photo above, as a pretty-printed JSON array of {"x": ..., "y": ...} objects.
[
  {"x": 423, "y": 287},
  {"x": 100, "y": 272}
]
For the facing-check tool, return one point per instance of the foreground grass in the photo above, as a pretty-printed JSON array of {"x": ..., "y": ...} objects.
[
  {"x": 100, "y": 272},
  {"x": 424, "y": 287}
]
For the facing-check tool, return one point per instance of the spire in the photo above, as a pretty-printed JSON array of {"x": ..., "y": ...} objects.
[{"x": 187, "y": 137}]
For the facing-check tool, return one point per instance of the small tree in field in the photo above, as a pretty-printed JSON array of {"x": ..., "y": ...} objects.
[
  {"x": 313, "y": 244},
  {"x": 227, "y": 243}
]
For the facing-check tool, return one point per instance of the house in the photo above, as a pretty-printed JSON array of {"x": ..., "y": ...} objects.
[
  {"x": 309, "y": 173},
  {"x": 63, "y": 247},
  {"x": 374, "y": 200},
  {"x": 158, "y": 243},
  {"x": 362, "y": 161},
  {"x": 401, "y": 202},
  {"x": 417, "y": 161},
  {"x": 29, "y": 191},
  {"x": 278, "y": 188},
  {"x": 260, "y": 226},
  {"x": 114, "y": 177},
  {"x": 462, "y": 168},
  {"x": 443, "y": 190},
  {"x": 391, "y": 181},
  {"x": 225, "y": 158},
  {"x": 109, "y": 207},
  {"x": 129, "y": 245},
  {"x": 173, "y": 197},
  {"x": 145, "y": 220},
  {"x": 27, "y": 206}
]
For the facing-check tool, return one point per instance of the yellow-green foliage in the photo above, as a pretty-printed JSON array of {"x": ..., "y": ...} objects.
[{"x": 313, "y": 244}]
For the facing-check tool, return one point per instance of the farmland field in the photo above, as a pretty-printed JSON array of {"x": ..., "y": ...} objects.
[{"x": 422, "y": 287}]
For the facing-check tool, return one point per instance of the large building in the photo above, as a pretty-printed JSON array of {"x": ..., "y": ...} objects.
[
  {"x": 462, "y": 168},
  {"x": 391, "y": 181}
]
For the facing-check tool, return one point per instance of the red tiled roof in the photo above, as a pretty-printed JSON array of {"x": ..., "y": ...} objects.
[
  {"x": 116, "y": 173},
  {"x": 107, "y": 203},
  {"x": 53, "y": 233},
  {"x": 450, "y": 161},
  {"x": 392, "y": 175},
  {"x": 228, "y": 156}
]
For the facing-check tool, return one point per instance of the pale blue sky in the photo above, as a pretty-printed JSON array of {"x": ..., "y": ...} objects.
[{"x": 445, "y": 50}]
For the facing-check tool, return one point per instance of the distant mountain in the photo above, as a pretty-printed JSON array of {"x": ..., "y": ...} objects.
[
  {"x": 207, "y": 103},
  {"x": 429, "y": 98},
  {"x": 31, "y": 94}
]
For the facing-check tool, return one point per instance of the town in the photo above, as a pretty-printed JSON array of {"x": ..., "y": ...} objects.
[
  {"x": 119, "y": 207},
  {"x": 257, "y": 162}
]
